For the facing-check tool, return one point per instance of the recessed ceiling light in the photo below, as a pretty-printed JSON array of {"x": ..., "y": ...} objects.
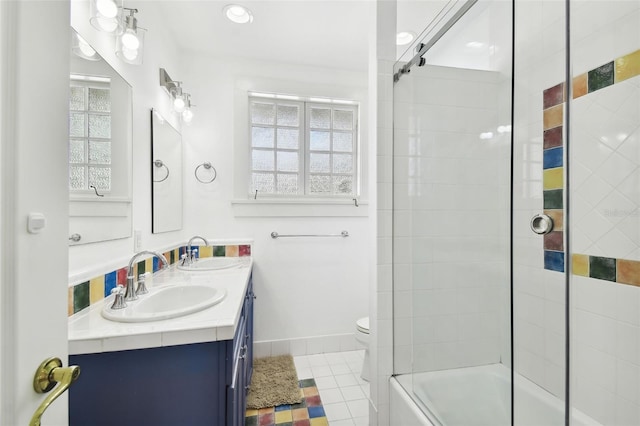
[
  {"x": 238, "y": 14},
  {"x": 404, "y": 37}
]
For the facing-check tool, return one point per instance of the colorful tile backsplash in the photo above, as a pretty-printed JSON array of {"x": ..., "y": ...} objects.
[
  {"x": 83, "y": 294},
  {"x": 603, "y": 268}
]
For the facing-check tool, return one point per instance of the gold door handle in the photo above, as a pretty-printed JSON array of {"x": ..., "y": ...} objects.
[{"x": 47, "y": 375}]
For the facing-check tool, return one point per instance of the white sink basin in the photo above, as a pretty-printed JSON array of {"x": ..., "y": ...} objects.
[
  {"x": 166, "y": 302},
  {"x": 214, "y": 263}
]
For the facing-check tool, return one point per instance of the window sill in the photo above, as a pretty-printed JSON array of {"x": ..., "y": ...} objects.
[{"x": 280, "y": 207}]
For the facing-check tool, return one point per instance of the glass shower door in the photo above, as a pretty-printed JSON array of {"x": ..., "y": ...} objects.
[
  {"x": 604, "y": 151},
  {"x": 452, "y": 146}
]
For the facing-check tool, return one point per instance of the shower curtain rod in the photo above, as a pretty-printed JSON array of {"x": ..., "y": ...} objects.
[{"x": 424, "y": 47}]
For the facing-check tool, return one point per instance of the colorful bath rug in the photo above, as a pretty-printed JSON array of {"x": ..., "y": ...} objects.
[
  {"x": 274, "y": 382},
  {"x": 309, "y": 412}
]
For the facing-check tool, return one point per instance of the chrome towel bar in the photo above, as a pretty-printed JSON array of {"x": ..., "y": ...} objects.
[{"x": 342, "y": 234}]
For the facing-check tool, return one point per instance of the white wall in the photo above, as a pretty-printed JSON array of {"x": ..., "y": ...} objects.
[{"x": 310, "y": 290}]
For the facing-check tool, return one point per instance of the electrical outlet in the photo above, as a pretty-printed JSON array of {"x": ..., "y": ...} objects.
[{"x": 137, "y": 240}]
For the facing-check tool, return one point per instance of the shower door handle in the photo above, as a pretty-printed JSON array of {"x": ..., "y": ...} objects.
[{"x": 541, "y": 224}]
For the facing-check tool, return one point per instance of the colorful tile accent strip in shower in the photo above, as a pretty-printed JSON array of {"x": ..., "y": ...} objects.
[
  {"x": 83, "y": 294},
  {"x": 606, "y": 268},
  {"x": 603, "y": 268},
  {"x": 553, "y": 174},
  {"x": 309, "y": 412}
]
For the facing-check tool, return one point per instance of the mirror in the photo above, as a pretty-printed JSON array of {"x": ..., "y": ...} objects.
[
  {"x": 166, "y": 175},
  {"x": 100, "y": 141}
]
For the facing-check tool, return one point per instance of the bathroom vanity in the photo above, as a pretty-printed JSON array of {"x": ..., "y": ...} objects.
[{"x": 190, "y": 370}]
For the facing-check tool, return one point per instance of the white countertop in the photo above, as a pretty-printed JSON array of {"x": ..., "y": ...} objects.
[{"x": 89, "y": 332}]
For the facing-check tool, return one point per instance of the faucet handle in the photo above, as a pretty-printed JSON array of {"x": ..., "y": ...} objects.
[
  {"x": 118, "y": 301},
  {"x": 142, "y": 288}
]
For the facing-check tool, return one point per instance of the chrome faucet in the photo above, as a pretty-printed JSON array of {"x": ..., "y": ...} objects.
[
  {"x": 190, "y": 255},
  {"x": 130, "y": 293}
]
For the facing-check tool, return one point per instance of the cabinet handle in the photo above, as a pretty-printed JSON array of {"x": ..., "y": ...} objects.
[{"x": 243, "y": 352}]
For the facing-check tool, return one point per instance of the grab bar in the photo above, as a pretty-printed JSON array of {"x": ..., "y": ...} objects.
[{"x": 342, "y": 234}]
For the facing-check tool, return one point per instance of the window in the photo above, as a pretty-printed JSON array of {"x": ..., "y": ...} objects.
[
  {"x": 303, "y": 148},
  {"x": 90, "y": 134}
]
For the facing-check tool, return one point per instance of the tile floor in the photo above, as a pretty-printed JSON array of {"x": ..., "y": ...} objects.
[{"x": 344, "y": 395}]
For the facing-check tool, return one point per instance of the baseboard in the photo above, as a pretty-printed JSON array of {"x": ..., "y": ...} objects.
[{"x": 306, "y": 345}]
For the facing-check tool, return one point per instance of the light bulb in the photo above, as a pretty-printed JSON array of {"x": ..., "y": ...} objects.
[
  {"x": 130, "y": 40},
  {"x": 187, "y": 115},
  {"x": 179, "y": 104},
  {"x": 107, "y": 24},
  {"x": 130, "y": 54},
  {"x": 107, "y": 8},
  {"x": 85, "y": 48}
]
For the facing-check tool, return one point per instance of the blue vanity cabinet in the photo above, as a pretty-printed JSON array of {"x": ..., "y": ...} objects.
[{"x": 195, "y": 384}]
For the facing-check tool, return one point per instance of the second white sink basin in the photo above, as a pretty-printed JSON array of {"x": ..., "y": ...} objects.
[
  {"x": 166, "y": 302},
  {"x": 214, "y": 263}
]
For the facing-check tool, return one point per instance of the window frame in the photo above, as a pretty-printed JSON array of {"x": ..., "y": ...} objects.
[
  {"x": 87, "y": 85},
  {"x": 304, "y": 149}
]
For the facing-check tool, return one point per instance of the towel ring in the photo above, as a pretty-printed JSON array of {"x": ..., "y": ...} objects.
[
  {"x": 159, "y": 164},
  {"x": 207, "y": 165}
]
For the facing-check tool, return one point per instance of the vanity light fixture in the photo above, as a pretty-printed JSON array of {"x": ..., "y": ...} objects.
[
  {"x": 130, "y": 43},
  {"x": 105, "y": 15},
  {"x": 238, "y": 14},
  {"x": 181, "y": 100}
]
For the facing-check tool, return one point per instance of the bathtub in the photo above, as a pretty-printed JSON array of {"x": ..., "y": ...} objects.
[{"x": 474, "y": 396}]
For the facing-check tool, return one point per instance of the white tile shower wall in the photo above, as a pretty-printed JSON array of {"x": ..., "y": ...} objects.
[
  {"x": 606, "y": 192},
  {"x": 448, "y": 223}
]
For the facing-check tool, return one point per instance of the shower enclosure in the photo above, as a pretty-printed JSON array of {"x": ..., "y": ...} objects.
[{"x": 508, "y": 117}]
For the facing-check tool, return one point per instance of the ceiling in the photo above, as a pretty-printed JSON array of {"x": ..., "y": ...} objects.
[{"x": 329, "y": 33}]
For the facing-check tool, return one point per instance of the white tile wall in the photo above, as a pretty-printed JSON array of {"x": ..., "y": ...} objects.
[
  {"x": 607, "y": 155},
  {"x": 381, "y": 332}
]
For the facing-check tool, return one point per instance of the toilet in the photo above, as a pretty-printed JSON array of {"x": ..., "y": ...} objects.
[{"x": 362, "y": 337}]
